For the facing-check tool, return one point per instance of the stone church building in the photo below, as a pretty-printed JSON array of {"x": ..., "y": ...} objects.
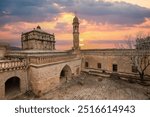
[
  {"x": 37, "y": 39},
  {"x": 39, "y": 67}
]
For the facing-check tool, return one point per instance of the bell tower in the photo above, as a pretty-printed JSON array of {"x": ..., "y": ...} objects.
[{"x": 75, "y": 33}]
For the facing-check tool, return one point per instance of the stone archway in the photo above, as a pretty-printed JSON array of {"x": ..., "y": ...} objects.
[
  {"x": 12, "y": 86},
  {"x": 65, "y": 74}
]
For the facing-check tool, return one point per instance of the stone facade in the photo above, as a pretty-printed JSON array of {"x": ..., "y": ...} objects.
[
  {"x": 107, "y": 58},
  {"x": 3, "y": 49},
  {"x": 37, "y": 39},
  {"x": 39, "y": 72},
  {"x": 111, "y": 61},
  {"x": 47, "y": 77},
  {"x": 5, "y": 76}
]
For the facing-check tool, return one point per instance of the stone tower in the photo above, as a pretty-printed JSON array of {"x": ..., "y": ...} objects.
[
  {"x": 37, "y": 39},
  {"x": 76, "y": 33}
]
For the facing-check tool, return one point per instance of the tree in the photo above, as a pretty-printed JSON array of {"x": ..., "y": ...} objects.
[
  {"x": 139, "y": 53},
  {"x": 141, "y": 60}
]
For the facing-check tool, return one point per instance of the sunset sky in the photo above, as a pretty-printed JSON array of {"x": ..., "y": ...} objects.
[{"x": 103, "y": 23}]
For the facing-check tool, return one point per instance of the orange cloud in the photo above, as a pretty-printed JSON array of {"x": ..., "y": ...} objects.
[
  {"x": 4, "y": 35},
  {"x": 61, "y": 25}
]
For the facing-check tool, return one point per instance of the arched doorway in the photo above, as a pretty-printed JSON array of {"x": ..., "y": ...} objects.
[
  {"x": 12, "y": 86},
  {"x": 78, "y": 71},
  {"x": 65, "y": 74}
]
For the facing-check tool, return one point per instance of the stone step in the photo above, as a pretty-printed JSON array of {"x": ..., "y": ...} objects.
[{"x": 100, "y": 74}]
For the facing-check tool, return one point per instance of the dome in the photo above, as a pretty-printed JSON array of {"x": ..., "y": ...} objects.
[
  {"x": 38, "y": 27},
  {"x": 75, "y": 19}
]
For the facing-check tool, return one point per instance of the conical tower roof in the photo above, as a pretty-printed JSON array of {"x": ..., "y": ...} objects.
[{"x": 75, "y": 19}]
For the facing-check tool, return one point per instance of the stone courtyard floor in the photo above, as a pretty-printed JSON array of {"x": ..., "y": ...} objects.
[{"x": 96, "y": 88}]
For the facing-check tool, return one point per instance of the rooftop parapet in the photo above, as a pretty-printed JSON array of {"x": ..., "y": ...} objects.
[{"x": 9, "y": 65}]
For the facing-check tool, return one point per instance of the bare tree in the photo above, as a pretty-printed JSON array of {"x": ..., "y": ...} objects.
[
  {"x": 141, "y": 60},
  {"x": 139, "y": 53}
]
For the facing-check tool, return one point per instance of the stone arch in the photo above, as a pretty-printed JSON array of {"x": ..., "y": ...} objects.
[
  {"x": 65, "y": 73},
  {"x": 12, "y": 86}
]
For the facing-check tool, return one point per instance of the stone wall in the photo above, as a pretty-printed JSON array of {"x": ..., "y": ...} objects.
[
  {"x": 44, "y": 78},
  {"x": 4, "y": 76},
  {"x": 108, "y": 57},
  {"x": 3, "y": 49},
  {"x": 51, "y": 59},
  {"x": 123, "y": 63}
]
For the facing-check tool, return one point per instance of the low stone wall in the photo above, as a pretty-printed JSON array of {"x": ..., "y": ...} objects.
[{"x": 50, "y": 59}]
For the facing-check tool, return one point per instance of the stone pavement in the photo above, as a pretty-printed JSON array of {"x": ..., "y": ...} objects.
[{"x": 96, "y": 88}]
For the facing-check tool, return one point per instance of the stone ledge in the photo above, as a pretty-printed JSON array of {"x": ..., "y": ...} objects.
[{"x": 54, "y": 63}]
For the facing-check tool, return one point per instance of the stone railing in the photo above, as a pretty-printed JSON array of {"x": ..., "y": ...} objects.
[
  {"x": 51, "y": 59},
  {"x": 12, "y": 65},
  {"x": 115, "y": 52}
]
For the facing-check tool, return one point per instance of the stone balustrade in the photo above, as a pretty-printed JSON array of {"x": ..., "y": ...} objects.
[
  {"x": 9, "y": 65},
  {"x": 51, "y": 59},
  {"x": 12, "y": 65}
]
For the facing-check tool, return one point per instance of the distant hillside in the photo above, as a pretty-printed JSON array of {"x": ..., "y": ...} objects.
[{"x": 14, "y": 48}]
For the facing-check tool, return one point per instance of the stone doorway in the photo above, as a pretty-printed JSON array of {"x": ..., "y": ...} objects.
[
  {"x": 12, "y": 86},
  {"x": 65, "y": 74}
]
